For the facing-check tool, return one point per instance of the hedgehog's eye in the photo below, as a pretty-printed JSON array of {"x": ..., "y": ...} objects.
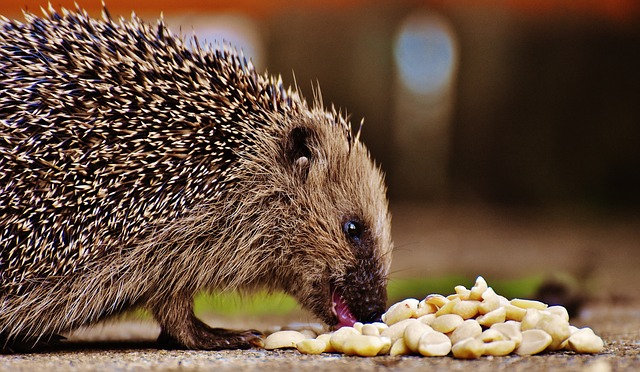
[{"x": 353, "y": 229}]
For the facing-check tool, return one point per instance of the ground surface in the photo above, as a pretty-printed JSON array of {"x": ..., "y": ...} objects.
[
  {"x": 602, "y": 254},
  {"x": 618, "y": 325}
]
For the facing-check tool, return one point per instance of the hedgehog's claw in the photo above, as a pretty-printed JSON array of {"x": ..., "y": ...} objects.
[
  {"x": 30, "y": 344},
  {"x": 207, "y": 338}
]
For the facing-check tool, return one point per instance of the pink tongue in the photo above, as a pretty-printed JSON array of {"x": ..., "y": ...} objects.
[{"x": 345, "y": 318}]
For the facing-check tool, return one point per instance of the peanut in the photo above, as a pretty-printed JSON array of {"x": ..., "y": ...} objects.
[
  {"x": 283, "y": 339},
  {"x": 478, "y": 289},
  {"x": 396, "y": 331},
  {"x": 490, "y": 301},
  {"x": 462, "y": 292},
  {"x": 386, "y": 346},
  {"x": 427, "y": 319},
  {"x": 400, "y": 311},
  {"x": 499, "y": 348},
  {"x": 381, "y": 326},
  {"x": 448, "y": 307},
  {"x": 434, "y": 344},
  {"x": 312, "y": 346},
  {"x": 533, "y": 342},
  {"x": 515, "y": 313},
  {"x": 469, "y": 348},
  {"x": 446, "y": 323},
  {"x": 528, "y": 304},
  {"x": 466, "y": 309},
  {"x": 498, "y": 315},
  {"x": 560, "y": 311},
  {"x": 326, "y": 338},
  {"x": 491, "y": 335},
  {"x": 585, "y": 341},
  {"x": 510, "y": 330},
  {"x": 399, "y": 348},
  {"x": 412, "y": 334},
  {"x": 530, "y": 319},
  {"x": 470, "y": 328},
  {"x": 363, "y": 345},
  {"x": 436, "y": 299},
  {"x": 339, "y": 337},
  {"x": 556, "y": 327},
  {"x": 370, "y": 330},
  {"x": 565, "y": 343},
  {"x": 424, "y": 308}
]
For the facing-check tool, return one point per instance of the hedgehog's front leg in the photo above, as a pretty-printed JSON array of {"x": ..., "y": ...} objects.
[{"x": 181, "y": 329}]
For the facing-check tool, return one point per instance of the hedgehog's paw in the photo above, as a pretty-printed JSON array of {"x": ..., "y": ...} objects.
[
  {"x": 221, "y": 338},
  {"x": 203, "y": 337}
]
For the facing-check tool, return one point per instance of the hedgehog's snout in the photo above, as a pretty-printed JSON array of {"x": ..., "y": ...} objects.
[
  {"x": 370, "y": 307},
  {"x": 365, "y": 293}
]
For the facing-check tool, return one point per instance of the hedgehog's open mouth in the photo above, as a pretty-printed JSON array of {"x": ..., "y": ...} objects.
[{"x": 341, "y": 310}]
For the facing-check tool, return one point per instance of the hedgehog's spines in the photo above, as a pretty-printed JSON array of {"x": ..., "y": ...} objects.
[
  {"x": 160, "y": 31},
  {"x": 106, "y": 16},
  {"x": 151, "y": 131},
  {"x": 357, "y": 139},
  {"x": 66, "y": 13}
]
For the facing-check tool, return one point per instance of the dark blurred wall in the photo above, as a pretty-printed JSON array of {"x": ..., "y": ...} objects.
[
  {"x": 546, "y": 110},
  {"x": 349, "y": 55}
]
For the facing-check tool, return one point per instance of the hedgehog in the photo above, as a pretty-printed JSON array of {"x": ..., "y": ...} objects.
[{"x": 139, "y": 168}]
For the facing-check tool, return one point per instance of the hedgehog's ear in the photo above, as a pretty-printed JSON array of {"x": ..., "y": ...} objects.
[{"x": 298, "y": 149}]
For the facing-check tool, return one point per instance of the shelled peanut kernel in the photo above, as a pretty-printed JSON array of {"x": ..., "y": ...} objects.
[{"x": 467, "y": 324}]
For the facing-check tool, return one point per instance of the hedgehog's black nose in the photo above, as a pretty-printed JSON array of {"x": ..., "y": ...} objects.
[{"x": 375, "y": 316}]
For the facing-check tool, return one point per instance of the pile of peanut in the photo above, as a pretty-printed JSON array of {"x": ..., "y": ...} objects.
[{"x": 468, "y": 324}]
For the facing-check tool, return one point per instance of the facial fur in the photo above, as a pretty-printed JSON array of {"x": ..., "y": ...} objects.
[{"x": 332, "y": 185}]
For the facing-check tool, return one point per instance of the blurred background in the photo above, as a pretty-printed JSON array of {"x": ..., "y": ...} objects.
[{"x": 509, "y": 130}]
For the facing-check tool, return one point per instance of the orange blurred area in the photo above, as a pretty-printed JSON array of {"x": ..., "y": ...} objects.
[{"x": 620, "y": 10}]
